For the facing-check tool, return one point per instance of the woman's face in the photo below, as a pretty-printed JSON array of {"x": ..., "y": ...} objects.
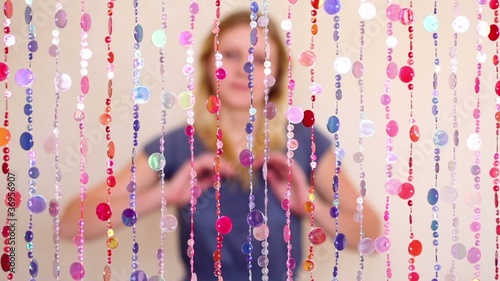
[{"x": 233, "y": 45}]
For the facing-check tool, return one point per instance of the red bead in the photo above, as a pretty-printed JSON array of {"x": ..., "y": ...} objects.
[
  {"x": 308, "y": 119},
  {"x": 415, "y": 248}
]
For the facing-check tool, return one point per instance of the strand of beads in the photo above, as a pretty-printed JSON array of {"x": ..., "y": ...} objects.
[
  {"x": 77, "y": 269},
  {"x": 269, "y": 114},
  {"x": 103, "y": 210},
  {"x": 449, "y": 193},
  {"x": 51, "y": 144},
  {"x": 291, "y": 144},
  {"x": 342, "y": 65},
  {"x": 367, "y": 11},
  {"x": 140, "y": 95},
  {"x": 255, "y": 218},
  {"x": 431, "y": 24},
  {"x": 494, "y": 172},
  {"x": 308, "y": 59},
  {"x": 406, "y": 74},
  {"x": 186, "y": 40},
  {"x": 12, "y": 197},
  {"x": 36, "y": 203},
  {"x": 392, "y": 184},
  {"x": 223, "y": 224},
  {"x": 473, "y": 142},
  {"x": 168, "y": 222}
]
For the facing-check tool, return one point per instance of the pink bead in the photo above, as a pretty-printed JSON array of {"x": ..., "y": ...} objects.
[
  {"x": 307, "y": 58},
  {"x": 4, "y": 71},
  {"x": 84, "y": 84},
  {"x": 77, "y": 271},
  {"x": 295, "y": 114},
  {"x": 317, "y": 236},
  {"x": 407, "y": 191},
  {"x": 85, "y": 22},
  {"x": 392, "y": 128},
  {"x": 494, "y": 172},
  {"x": 224, "y": 225},
  {"x": 357, "y": 69},
  {"x": 246, "y": 158},
  {"x": 103, "y": 211},
  {"x": 287, "y": 235},
  {"x": 406, "y": 16},
  {"x": 413, "y": 276},
  {"x": 392, "y": 12},
  {"x": 393, "y": 186},
  {"x": 391, "y": 70},
  {"x": 185, "y": 38},
  {"x": 220, "y": 73},
  {"x": 474, "y": 255},
  {"x": 406, "y": 74}
]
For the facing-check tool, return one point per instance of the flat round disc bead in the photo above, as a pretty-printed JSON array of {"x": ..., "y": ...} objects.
[
  {"x": 168, "y": 223},
  {"x": 4, "y": 71},
  {"x": 159, "y": 38},
  {"x": 461, "y": 24},
  {"x": 223, "y": 225},
  {"x": 24, "y": 77},
  {"x": 4, "y": 136},
  {"x": 77, "y": 271},
  {"x": 37, "y": 204}
]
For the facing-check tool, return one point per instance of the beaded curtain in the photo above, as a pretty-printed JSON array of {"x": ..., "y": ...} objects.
[{"x": 375, "y": 50}]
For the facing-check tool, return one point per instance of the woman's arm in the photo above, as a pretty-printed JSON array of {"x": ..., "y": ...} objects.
[{"x": 148, "y": 199}]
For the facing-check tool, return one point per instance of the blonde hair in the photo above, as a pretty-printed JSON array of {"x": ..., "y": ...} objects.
[{"x": 205, "y": 124}]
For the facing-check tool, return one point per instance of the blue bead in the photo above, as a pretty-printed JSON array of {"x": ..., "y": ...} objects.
[
  {"x": 340, "y": 242},
  {"x": 33, "y": 172},
  {"x": 253, "y": 37},
  {"x": 135, "y": 248},
  {"x": 254, "y": 7},
  {"x": 249, "y": 128},
  {"x": 247, "y": 248},
  {"x": 28, "y": 109},
  {"x": 33, "y": 268},
  {"x": 434, "y": 225},
  {"x": 26, "y": 141},
  {"x": 333, "y": 124},
  {"x": 248, "y": 67},
  {"x": 432, "y": 196},
  {"x": 28, "y": 236},
  {"x": 28, "y": 15},
  {"x": 138, "y": 33}
]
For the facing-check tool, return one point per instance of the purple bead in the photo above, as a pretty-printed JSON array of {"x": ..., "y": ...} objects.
[
  {"x": 129, "y": 217},
  {"x": 77, "y": 271},
  {"x": 33, "y": 268},
  {"x": 246, "y": 157},
  {"x": 61, "y": 19},
  {"x": 138, "y": 275},
  {"x": 37, "y": 204},
  {"x": 255, "y": 218},
  {"x": 24, "y": 77}
]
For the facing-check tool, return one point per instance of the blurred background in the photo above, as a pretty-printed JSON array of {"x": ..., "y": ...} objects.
[{"x": 374, "y": 58}]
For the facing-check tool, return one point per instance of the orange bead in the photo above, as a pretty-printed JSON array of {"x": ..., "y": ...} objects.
[
  {"x": 308, "y": 265},
  {"x": 4, "y": 136},
  {"x": 309, "y": 206},
  {"x": 216, "y": 255}
]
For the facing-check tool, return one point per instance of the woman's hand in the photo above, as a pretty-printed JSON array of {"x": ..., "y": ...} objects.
[
  {"x": 179, "y": 191},
  {"x": 277, "y": 177}
]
